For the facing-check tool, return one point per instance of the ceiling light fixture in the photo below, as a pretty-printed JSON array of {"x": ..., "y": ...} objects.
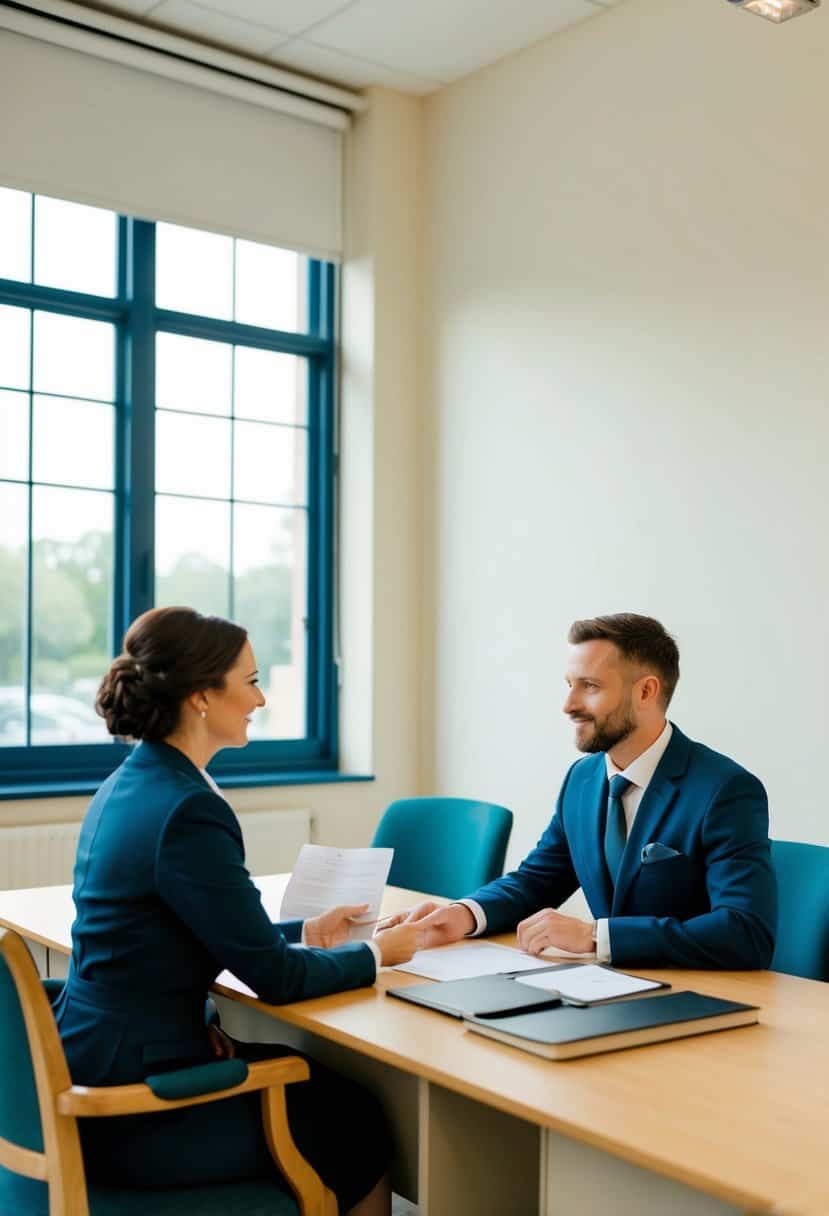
[{"x": 778, "y": 10}]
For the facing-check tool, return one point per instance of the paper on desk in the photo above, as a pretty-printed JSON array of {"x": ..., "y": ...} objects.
[
  {"x": 589, "y": 982},
  {"x": 324, "y": 877},
  {"x": 469, "y": 960}
]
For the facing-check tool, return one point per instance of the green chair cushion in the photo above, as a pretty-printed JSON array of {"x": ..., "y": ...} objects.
[
  {"x": 23, "y": 1197},
  {"x": 19, "y": 1110},
  {"x": 229, "y": 1199},
  {"x": 200, "y": 1079}
]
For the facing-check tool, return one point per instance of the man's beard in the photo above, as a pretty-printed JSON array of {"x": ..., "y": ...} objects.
[{"x": 612, "y": 730}]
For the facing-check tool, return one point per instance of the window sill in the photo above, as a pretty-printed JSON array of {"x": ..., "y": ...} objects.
[{"x": 74, "y": 789}]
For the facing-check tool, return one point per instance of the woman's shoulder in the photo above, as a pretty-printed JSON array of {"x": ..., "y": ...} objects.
[{"x": 163, "y": 780}]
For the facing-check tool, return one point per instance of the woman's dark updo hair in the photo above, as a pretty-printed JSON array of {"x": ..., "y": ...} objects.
[{"x": 168, "y": 654}]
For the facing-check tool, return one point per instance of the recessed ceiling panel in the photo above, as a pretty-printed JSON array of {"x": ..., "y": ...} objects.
[
  {"x": 185, "y": 17},
  {"x": 445, "y": 40},
  {"x": 291, "y": 16},
  {"x": 303, "y": 56}
]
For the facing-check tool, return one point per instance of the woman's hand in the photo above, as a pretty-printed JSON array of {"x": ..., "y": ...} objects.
[
  {"x": 441, "y": 924},
  {"x": 331, "y": 928},
  {"x": 397, "y": 945}
]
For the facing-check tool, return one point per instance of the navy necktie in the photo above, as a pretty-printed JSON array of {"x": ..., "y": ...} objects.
[{"x": 615, "y": 829}]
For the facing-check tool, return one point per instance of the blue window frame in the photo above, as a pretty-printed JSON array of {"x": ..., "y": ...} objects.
[{"x": 136, "y": 424}]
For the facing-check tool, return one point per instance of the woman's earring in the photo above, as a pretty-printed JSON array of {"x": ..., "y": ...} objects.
[{"x": 204, "y": 713}]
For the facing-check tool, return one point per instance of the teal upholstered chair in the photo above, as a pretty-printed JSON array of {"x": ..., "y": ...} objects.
[
  {"x": 802, "y": 872},
  {"x": 444, "y": 846},
  {"x": 41, "y": 1167}
]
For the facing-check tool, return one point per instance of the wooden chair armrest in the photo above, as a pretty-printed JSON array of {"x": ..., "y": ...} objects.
[
  {"x": 86, "y": 1102},
  {"x": 268, "y": 1076}
]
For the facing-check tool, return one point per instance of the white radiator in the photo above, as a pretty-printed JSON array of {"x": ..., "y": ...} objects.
[{"x": 44, "y": 855}]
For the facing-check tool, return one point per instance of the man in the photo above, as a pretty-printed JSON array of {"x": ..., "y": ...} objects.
[{"x": 668, "y": 839}]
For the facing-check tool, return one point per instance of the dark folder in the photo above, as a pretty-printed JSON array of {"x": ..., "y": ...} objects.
[
  {"x": 482, "y": 996},
  {"x": 563, "y": 1033}
]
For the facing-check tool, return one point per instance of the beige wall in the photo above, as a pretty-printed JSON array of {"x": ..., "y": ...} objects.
[
  {"x": 626, "y": 264},
  {"x": 618, "y": 402},
  {"x": 379, "y": 558}
]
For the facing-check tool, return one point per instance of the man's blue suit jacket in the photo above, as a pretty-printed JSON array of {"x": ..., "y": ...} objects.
[
  {"x": 712, "y": 905},
  {"x": 164, "y": 903}
]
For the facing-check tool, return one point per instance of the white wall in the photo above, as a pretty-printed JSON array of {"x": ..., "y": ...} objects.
[
  {"x": 626, "y": 261},
  {"x": 379, "y": 559}
]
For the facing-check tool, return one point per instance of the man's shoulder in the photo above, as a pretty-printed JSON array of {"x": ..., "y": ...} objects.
[
  {"x": 584, "y": 770},
  {"x": 705, "y": 761}
]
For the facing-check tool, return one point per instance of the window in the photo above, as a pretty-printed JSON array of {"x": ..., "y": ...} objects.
[{"x": 166, "y": 436}]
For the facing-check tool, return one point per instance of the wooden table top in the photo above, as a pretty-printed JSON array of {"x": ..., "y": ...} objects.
[{"x": 741, "y": 1115}]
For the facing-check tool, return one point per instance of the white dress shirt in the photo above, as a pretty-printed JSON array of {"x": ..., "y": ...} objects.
[
  {"x": 639, "y": 773},
  {"x": 373, "y": 947}
]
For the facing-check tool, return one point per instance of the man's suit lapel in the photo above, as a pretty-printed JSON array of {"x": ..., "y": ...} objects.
[
  {"x": 657, "y": 801},
  {"x": 592, "y": 871}
]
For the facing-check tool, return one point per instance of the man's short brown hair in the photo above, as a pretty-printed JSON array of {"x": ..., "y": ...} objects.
[{"x": 641, "y": 639}]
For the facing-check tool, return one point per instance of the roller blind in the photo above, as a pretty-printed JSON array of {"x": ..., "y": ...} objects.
[{"x": 129, "y": 138}]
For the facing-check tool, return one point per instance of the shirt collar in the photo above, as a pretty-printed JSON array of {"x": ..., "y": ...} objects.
[
  {"x": 640, "y": 771},
  {"x": 214, "y": 787}
]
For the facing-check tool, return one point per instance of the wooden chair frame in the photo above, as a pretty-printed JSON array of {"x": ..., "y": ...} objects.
[{"x": 62, "y": 1104}]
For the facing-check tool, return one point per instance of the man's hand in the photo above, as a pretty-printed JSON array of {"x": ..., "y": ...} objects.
[
  {"x": 331, "y": 928},
  {"x": 549, "y": 928},
  {"x": 441, "y": 925}
]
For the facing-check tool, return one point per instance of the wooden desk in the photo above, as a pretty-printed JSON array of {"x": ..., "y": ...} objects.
[{"x": 723, "y": 1123}]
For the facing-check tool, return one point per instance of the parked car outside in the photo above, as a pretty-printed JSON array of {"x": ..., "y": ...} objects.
[{"x": 55, "y": 719}]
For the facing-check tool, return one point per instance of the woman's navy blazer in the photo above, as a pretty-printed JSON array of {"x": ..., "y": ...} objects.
[{"x": 164, "y": 904}]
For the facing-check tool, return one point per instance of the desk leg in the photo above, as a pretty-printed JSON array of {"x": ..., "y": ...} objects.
[
  {"x": 578, "y": 1178},
  {"x": 474, "y": 1160},
  {"x": 41, "y": 958},
  {"x": 58, "y": 965}
]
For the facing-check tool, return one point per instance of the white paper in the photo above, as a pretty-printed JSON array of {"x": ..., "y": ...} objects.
[
  {"x": 324, "y": 877},
  {"x": 590, "y": 983},
  {"x": 470, "y": 960}
]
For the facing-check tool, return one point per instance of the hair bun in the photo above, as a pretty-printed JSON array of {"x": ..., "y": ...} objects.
[{"x": 132, "y": 704}]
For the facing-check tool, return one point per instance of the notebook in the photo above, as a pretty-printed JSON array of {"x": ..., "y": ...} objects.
[
  {"x": 482, "y": 996},
  {"x": 492, "y": 996},
  {"x": 564, "y": 1032}
]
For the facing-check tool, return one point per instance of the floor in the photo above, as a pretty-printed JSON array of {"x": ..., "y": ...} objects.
[{"x": 402, "y": 1207}]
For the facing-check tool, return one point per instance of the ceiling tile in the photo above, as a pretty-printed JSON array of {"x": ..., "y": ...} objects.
[
  {"x": 434, "y": 39},
  {"x": 289, "y": 16},
  {"x": 339, "y": 68},
  {"x": 186, "y": 17}
]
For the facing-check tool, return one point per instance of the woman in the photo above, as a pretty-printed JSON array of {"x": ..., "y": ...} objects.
[{"x": 164, "y": 903}]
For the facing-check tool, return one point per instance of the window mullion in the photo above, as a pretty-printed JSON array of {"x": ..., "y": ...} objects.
[
  {"x": 29, "y": 636},
  {"x": 139, "y": 454}
]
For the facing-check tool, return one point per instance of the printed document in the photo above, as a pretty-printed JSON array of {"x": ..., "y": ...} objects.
[
  {"x": 470, "y": 960},
  {"x": 589, "y": 982},
  {"x": 324, "y": 877}
]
